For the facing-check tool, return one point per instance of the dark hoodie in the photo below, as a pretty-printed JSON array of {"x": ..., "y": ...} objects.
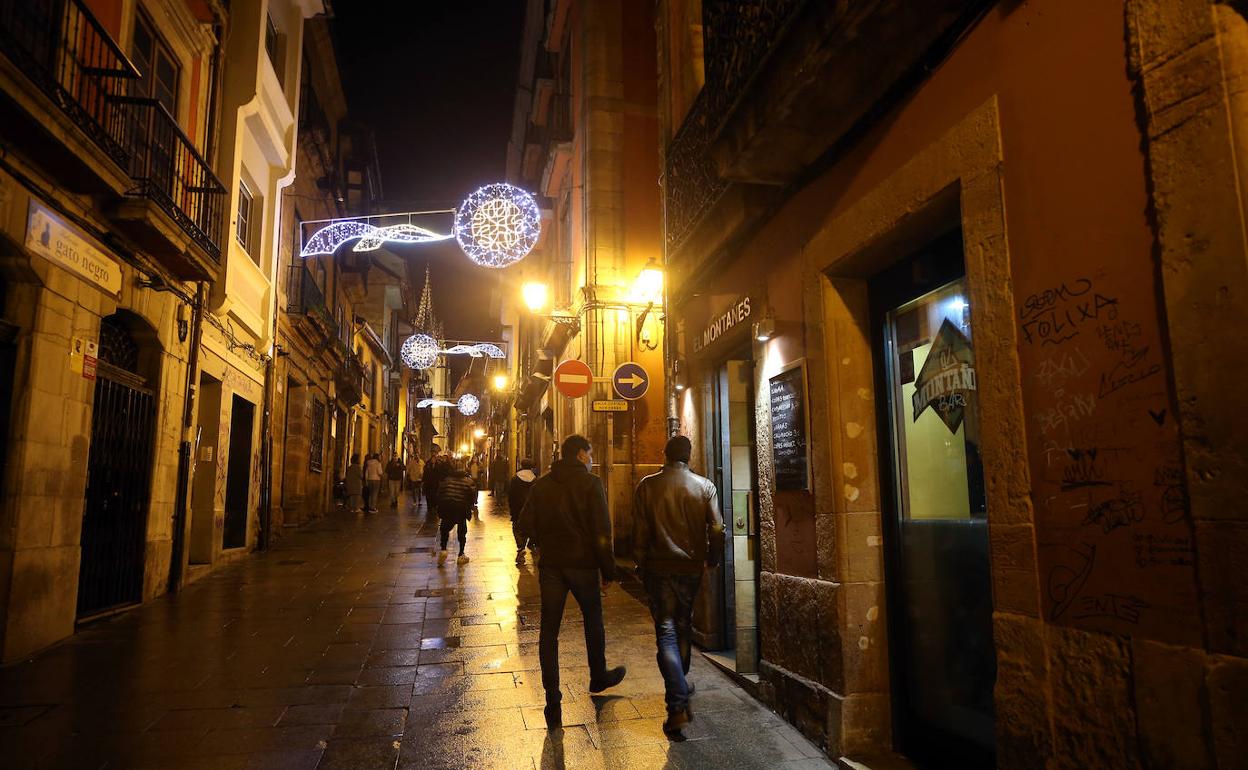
[{"x": 566, "y": 512}]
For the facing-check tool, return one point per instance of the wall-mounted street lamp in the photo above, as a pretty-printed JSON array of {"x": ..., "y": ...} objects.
[
  {"x": 534, "y": 294},
  {"x": 501, "y": 382},
  {"x": 680, "y": 380},
  {"x": 648, "y": 286},
  {"x": 479, "y": 433}
]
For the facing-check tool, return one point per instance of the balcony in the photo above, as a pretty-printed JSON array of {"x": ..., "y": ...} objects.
[
  {"x": 63, "y": 91},
  {"x": 305, "y": 299},
  {"x": 786, "y": 82},
  {"x": 349, "y": 380},
  {"x": 58, "y": 83},
  {"x": 176, "y": 208}
]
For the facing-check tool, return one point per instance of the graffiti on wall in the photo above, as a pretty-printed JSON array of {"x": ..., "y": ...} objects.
[{"x": 1112, "y": 523}]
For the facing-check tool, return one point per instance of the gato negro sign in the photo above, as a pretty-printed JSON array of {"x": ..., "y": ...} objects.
[{"x": 734, "y": 316}]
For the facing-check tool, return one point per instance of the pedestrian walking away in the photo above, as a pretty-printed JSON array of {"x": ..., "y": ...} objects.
[
  {"x": 415, "y": 472},
  {"x": 373, "y": 474},
  {"x": 355, "y": 485},
  {"x": 395, "y": 471},
  {"x": 677, "y": 529},
  {"x": 517, "y": 493},
  {"x": 566, "y": 513},
  {"x": 456, "y": 496},
  {"x": 435, "y": 471},
  {"x": 500, "y": 469}
]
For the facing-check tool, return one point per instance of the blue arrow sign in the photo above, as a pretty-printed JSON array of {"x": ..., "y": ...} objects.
[{"x": 630, "y": 381}]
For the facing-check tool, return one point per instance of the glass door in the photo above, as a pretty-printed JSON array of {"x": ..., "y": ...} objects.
[{"x": 940, "y": 619}]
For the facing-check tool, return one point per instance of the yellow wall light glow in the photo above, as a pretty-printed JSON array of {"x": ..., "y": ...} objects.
[{"x": 534, "y": 294}]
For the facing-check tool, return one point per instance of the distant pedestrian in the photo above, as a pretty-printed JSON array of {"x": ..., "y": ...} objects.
[
  {"x": 677, "y": 529},
  {"x": 456, "y": 496},
  {"x": 517, "y": 493},
  {"x": 415, "y": 472},
  {"x": 354, "y": 484},
  {"x": 474, "y": 470},
  {"x": 373, "y": 473},
  {"x": 435, "y": 471},
  {"x": 566, "y": 513},
  {"x": 394, "y": 479},
  {"x": 500, "y": 469}
]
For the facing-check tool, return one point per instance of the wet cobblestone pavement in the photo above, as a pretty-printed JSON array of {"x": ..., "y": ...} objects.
[{"x": 346, "y": 646}]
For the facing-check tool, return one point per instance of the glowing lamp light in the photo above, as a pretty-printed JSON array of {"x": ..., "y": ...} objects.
[
  {"x": 469, "y": 404},
  {"x": 420, "y": 351},
  {"x": 478, "y": 433},
  {"x": 649, "y": 284},
  {"x": 534, "y": 295},
  {"x": 498, "y": 225},
  {"x": 500, "y": 382},
  {"x": 463, "y": 449}
]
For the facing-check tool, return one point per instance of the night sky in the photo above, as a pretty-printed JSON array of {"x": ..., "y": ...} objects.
[{"x": 436, "y": 82}]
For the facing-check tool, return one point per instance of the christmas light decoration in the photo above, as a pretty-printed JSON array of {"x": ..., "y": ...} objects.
[
  {"x": 469, "y": 404},
  {"x": 476, "y": 350},
  {"x": 329, "y": 238},
  {"x": 498, "y": 225},
  {"x": 420, "y": 351},
  {"x": 429, "y": 403}
]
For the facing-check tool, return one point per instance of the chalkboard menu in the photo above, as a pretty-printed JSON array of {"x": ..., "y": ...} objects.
[{"x": 788, "y": 429}]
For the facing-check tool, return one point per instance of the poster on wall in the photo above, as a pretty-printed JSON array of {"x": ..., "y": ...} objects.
[{"x": 789, "y": 446}]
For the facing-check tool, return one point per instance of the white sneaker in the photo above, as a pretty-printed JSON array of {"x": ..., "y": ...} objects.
[
  {"x": 462, "y": 560},
  {"x": 441, "y": 558}
]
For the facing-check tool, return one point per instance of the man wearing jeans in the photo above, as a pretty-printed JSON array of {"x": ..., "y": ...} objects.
[
  {"x": 566, "y": 511},
  {"x": 676, "y": 530}
]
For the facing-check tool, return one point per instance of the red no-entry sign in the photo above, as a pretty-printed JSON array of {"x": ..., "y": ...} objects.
[{"x": 573, "y": 378}]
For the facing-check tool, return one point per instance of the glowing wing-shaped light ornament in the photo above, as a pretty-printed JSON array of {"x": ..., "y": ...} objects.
[
  {"x": 498, "y": 225},
  {"x": 476, "y": 350},
  {"x": 429, "y": 403},
  {"x": 329, "y": 238}
]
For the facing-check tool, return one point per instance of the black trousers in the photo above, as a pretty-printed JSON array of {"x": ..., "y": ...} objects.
[
  {"x": 452, "y": 523},
  {"x": 556, "y": 583}
]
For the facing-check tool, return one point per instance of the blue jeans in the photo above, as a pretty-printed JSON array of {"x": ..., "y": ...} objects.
[
  {"x": 671, "y": 606},
  {"x": 585, "y": 586}
]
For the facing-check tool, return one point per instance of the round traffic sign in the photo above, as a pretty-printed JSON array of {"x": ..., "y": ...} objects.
[
  {"x": 573, "y": 378},
  {"x": 630, "y": 381}
]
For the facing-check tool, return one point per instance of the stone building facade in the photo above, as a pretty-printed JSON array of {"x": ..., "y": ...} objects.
[
  {"x": 950, "y": 294},
  {"x": 585, "y": 139}
]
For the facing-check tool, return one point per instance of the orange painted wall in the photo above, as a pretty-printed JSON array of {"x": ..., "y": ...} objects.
[
  {"x": 1077, "y": 216},
  {"x": 108, "y": 13}
]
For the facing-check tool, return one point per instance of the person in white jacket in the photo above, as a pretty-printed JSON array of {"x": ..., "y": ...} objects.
[{"x": 517, "y": 493}]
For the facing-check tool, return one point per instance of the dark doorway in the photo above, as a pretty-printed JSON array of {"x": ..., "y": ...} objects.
[
  {"x": 238, "y": 474},
  {"x": 935, "y": 516},
  {"x": 114, "y": 517}
]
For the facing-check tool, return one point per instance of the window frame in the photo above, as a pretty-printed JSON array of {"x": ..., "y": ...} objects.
[
  {"x": 145, "y": 85},
  {"x": 243, "y": 224}
]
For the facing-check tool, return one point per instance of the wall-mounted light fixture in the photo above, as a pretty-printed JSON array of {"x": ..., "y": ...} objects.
[
  {"x": 680, "y": 380},
  {"x": 765, "y": 327}
]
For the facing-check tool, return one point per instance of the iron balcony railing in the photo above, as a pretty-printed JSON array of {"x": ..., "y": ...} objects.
[
  {"x": 304, "y": 297},
  {"x": 172, "y": 173},
  {"x": 61, "y": 47}
]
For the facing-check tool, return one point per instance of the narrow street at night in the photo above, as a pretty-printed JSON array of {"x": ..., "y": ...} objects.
[{"x": 347, "y": 647}]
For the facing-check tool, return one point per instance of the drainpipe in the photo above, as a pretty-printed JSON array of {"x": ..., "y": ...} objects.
[{"x": 182, "y": 497}]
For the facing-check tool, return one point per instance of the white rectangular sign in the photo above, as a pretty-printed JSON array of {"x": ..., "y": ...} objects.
[{"x": 50, "y": 237}]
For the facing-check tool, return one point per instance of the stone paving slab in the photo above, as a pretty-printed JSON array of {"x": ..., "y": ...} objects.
[{"x": 347, "y": 648}]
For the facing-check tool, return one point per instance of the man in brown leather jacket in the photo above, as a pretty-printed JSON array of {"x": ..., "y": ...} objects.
[{"x": 676, "y": 530}]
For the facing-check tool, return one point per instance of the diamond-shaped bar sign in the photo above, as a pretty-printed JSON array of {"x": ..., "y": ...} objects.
[
  {"x": 573, "y": 378},
  {"x": 630, "y": 381},
  {"x": 947, "y": 381}
]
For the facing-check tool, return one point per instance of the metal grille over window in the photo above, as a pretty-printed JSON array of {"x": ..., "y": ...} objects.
[
  {"x": 316, "y": 443},
  {"x": 117, "y": 347}
]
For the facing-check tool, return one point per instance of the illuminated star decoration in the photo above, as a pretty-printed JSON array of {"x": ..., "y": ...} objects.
[
  {"x": 420, "y": 351},
  {"x": 329, "y": 238},
  {"x": 467, "y": 404},
  {"x": 498, "y": 225}
]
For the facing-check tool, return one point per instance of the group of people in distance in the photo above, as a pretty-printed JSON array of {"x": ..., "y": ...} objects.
[{"x": 562, "y": 519}]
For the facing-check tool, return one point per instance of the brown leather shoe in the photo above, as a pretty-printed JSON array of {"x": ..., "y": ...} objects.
[{"x": 675, "y": 722}]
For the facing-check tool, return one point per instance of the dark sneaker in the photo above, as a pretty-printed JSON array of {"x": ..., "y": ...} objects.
[
  {"x": 554, "y": 716},
  {"x": 610, "y": 679},
  {"x": 675, "y": 722},
  {"x": 520, "y": 558}
]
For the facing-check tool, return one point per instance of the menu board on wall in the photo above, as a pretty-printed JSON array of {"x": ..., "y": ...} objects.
[{"x": 788, "y": 429}]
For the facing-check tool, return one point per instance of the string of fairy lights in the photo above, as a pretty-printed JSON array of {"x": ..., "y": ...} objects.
[{"x": 496, "y": 226}]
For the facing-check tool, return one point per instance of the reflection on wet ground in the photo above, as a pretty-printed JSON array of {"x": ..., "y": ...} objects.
[{"x": 346, "y": 646}]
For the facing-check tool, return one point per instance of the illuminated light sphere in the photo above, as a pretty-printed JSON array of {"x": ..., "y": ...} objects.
[
  {"x": 420, "y": 351},
  {"x": 469, "y": 404},
  {"x": 498, "y": 225}
]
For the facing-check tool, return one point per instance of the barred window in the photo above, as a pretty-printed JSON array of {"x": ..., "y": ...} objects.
[{"x": 316, "y": 443}]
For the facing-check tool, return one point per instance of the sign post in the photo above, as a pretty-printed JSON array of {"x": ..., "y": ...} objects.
[
  {"x": 630, "y": 381},
  {"x": 573, "y": 378}
]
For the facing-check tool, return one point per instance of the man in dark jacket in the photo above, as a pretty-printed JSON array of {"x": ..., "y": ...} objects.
[
  {"x": 566, "y": 513},
  {"x": 435, "y": 471},
  {"x": 500, "y": 468},
  {"x": 457, "y": 493},
  {"x": 517, "y": 493},
  {"x": 677, "y": 529}
]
